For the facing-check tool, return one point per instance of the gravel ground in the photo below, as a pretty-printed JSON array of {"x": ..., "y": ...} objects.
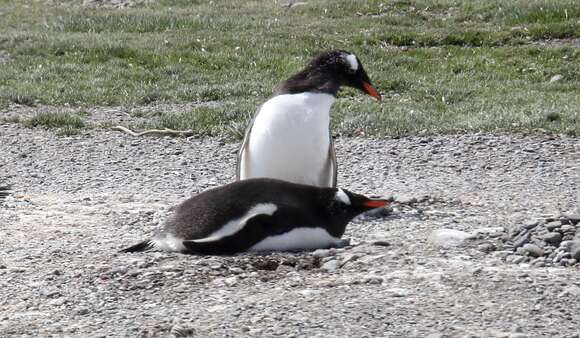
[{"x": 78, "y": 200}]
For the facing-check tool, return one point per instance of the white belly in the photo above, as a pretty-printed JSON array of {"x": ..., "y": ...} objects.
[
  {"x": 290, "y": 139},
  {"x": 298, "y": 239}
]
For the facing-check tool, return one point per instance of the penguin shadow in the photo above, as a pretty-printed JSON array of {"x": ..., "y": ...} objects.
[
  {"x": 271, "y": 261},
  {"x": 395, "y": 211}
]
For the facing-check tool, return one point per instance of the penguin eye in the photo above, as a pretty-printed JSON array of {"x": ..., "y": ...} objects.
[{"x": 338, "y": 207}]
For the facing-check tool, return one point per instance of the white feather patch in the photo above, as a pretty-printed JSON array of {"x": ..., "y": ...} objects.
[
  {"x": 297, "y": 239},
  {"x": 351, "y": 59},
  {"x": 168, "y": 242},
  {"x": 341, "y": 196},
  {"x": 238, "y": 224}
]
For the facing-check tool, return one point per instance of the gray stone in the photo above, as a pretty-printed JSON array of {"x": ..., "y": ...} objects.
[
  {"x": 533, "y": 250},
  {"x": 530, "y": 224},
  {"x": 567, "y": 228},
  {"x": 398, "y": 292},
  {"x": 522, "y": 239},
  {"x": 489, "y": 231},
  {"x": 83, "y": 311},
  {"x": 574, "y": 249},
  {"x": 321, "y": 253},
  {"x": 381, "y": 242},
  {"x": 574, "y": 218},
  {"x": 552, "y": 238},
  {"x": 405, "y": 199},
  {"x": 373, "y": 280},
  {"x": 231, "y": 281},
  {"x": 179, "y": 330},
  {"x": 448, "y": 237},
  {"x": 518, "y": 335},
  {"x": 571, "y": 290},
  {"x": 435, "y": 335},
  {"x": 349, "y": 258},
  {"x": 539, "y": 262},
  {"x": 551, "y": 226},
  {"x": 236, "y": 270},
  {"x": 486, "y": 247},
  {"x": 331, "y": 265},
  {"x": 501, "y": 254},
  {"x": 309, "y": 293}
]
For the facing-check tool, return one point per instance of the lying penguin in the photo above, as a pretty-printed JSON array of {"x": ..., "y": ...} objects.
[{"x": 259, "y": 214}]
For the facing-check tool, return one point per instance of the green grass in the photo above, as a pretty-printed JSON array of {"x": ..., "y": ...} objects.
[
  {"x": 66, "y": 124},
  {"x": 466, "y": 65}
]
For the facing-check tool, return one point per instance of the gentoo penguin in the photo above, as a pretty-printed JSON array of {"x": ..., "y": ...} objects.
[
  {"x": 259, "y": 214},
  {"x": 289, "y": 138}
]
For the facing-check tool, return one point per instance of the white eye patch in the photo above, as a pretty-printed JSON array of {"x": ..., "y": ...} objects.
[
  {"x": 352, "y": 62},
  {"x": 341, "y": 196}
]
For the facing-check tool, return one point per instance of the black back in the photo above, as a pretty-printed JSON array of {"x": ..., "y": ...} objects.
[{"x": 205, "y": 213}]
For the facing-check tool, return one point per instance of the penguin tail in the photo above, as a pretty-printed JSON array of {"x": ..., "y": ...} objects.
[
  {"x": 139, "y": 247},
  {"x": 217, "y": 247}
]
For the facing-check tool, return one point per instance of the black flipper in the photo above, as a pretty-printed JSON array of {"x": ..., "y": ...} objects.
[
  {"x": 223, "y": 246},
  {"x": 143, "y": 246}
]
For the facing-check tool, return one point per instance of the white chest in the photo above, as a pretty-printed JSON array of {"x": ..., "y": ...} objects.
[
  {"x": 290, "y": 138},
  {"x": 297, "y": 239}
]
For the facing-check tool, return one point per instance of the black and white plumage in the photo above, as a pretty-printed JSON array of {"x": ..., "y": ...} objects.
[
  {"x": 289, "y": 138},
  {"x": 4, "y": 192},
  {"x": 259, "y": 215}
]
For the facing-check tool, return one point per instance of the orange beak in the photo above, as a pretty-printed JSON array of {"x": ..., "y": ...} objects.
[
  {"x": 375, "y": 203},
  {"x": 372, "y": 91}
]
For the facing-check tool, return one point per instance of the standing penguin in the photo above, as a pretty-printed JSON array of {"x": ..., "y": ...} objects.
[
  {"x": 289, "y": 138},
  {"x": 259, "y": 214}
]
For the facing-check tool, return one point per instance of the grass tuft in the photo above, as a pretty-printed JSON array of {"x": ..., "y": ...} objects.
[{"x": 66, "y": 124}]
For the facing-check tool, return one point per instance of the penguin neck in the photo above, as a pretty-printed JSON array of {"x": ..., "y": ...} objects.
[
  {"x": 310, "y": 104},
  {"x": 309, "y": 81}
]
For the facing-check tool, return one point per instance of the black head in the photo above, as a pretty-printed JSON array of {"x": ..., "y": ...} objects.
[
  {"x": 327, "y": 72},
  {"x": 346, "y": 205}
]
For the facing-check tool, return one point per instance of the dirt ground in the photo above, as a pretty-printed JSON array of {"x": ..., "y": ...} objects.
[{"x": 78, "y": 200}]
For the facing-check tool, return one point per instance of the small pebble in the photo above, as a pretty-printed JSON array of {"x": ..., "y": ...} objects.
[
  {"x": 448, "y": 237},
  {"x": 381, "y": 242},
  {"x": 530, "y": 224},
  {"x": 321, "y": 253},
  {"x": 533, "y": 250},
  {"x": 331, "y": 265},
  {"x": 574, "y": 249},
  {"x": 552, "y": 237},
  {"x": 553, "y": 225}
]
